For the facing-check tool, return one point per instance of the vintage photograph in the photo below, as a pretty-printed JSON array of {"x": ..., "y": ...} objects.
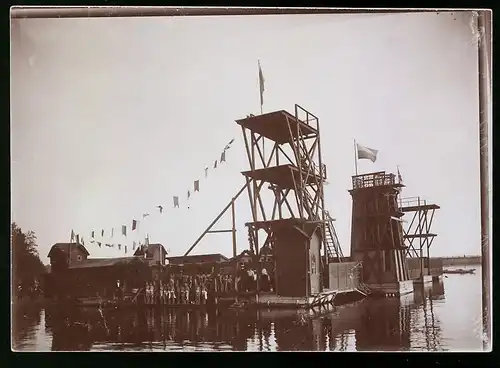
[{"x": 250, "y": 180}]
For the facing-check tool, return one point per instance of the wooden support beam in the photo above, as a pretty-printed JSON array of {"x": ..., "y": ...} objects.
[{"x": 216, "y": 219}]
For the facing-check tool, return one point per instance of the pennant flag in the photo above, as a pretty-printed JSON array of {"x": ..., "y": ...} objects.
[
  {"x": 92, "y": 233},
  {"x": 206, "y": 171},
  {"x": 102, "y": 233},
  {"x": 261, "y": 85},
  {"x": 125, "y": 249},
  {"x": 215, "y": 164},
  {"x": 112, "y": 231},
  {"x": 189, "y": 194},
  {"x": 160, "y": 208},
  {"x": 99, "y": 244},
  {"x": 124, "y": 230},
  {"x": 176, "y": 202},
  {"x": 144, "y": 215},
  {"x": 400, "y": 178},
  {"x": 366, "y": 153},
  {"x": 92, "y": 241},
  {"x": 134, "y": 225},
  {"x": 77, "y": 239},
  {"x": 230, "y": 142},
  {"x": 72, "y": 236},
  {"x": 196, "y": 185},
  {"x": 223, "y": 156}
]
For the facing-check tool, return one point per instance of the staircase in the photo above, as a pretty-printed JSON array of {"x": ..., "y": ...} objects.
[
  {"x": 363, "y": 289},
  {"x": 332, "y": 241},
  {"x": 333, "y": 248}
]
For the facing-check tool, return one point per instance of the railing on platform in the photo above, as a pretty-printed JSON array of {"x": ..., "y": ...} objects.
[
  {"x": 411, "y": 202},
  {"x": 318, "y": 172},
  {"x": 306, "y": 117},
  {"x": 373, "y": 180}
]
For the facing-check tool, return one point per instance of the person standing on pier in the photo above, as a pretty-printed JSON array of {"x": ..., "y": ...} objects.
[{"x": 264, "y": 281}]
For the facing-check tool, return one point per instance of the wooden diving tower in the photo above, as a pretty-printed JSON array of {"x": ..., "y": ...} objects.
[
  {"x": 418, "y": 235},
  {"x": 297, "y": 228},
  {"x": 377, "y": 233}
]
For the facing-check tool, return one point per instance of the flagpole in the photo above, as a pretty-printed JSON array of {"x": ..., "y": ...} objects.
[{"x": 355, "y": 157}]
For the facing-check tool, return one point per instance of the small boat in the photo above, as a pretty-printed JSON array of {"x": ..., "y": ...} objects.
[{"x": 461, "y": 271}]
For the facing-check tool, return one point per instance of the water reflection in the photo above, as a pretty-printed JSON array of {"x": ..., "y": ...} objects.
[{"x": 385, "y": 324}]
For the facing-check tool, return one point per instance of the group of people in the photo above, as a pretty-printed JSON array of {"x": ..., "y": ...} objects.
[
  {"x": 202, "y": 288},
  {"x": 31, "y": 290}
]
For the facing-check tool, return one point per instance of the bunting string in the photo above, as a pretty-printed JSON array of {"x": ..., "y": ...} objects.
[{"x": 130, "y": 236}]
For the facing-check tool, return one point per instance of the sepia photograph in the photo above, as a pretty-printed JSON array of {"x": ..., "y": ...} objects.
[{"x": 250, "y": 180}]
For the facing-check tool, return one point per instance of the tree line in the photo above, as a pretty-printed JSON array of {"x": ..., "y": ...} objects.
[{"x": 27, "y": 267}]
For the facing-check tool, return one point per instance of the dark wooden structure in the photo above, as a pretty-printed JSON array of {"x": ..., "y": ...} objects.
[
  {"x": 94, "y": 278},
  {"x": 155, "y": 253},
  {"x": 418, "y": 235},
  {"x": 194, "y": 259},
  {"x": 377, "y": 233},
  {"x": 297, "y": 227},
  {"x": 63, "y": 255}
]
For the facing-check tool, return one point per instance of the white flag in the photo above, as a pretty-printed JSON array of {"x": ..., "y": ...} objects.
[{"x": 366, "y": 153}]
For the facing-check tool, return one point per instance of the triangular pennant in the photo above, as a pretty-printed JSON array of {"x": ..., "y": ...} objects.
[
  {"x": 77, "y": 239},
  {"x": 223, "y": 156},
  {"x": 102, "y": 233},
  {"x": 124, "y": 230},
  {"x": 176, "y": 202},
  {"x": 99, "y": 244},
  {"x": 189, "y": 194},
  {"x": 134, "y": 224},
  {"x": 92, "y": 233},
  {"x": 215, "y": 164},
  {"x": 196, "y": 185},
  {"x": 144, "y": 215}
]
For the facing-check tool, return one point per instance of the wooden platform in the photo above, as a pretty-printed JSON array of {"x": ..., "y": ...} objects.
[
  {"x": 278, "y": 126},
  {"x": 426, "y": 279},
  {"x": 283, "y": 176},
  {"x": 392, "y": 289}
]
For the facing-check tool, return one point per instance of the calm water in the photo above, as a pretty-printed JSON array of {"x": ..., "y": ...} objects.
[{"x": 442, "y": 317}]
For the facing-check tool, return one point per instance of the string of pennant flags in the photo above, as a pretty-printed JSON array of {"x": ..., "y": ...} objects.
[{"x": 98, "y": 237}]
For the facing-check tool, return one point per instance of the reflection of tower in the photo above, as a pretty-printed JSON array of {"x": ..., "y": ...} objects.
[
  {"x": 384, "y": 325},
  {"x": 377, "y": 235},
  {"x": 294, "y": 173}
]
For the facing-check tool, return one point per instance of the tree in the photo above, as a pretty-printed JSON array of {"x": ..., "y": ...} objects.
[{"x": 26, "y": 263}]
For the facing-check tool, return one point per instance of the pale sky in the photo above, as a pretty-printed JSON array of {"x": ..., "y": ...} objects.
[{"x": 111, "y": 117}]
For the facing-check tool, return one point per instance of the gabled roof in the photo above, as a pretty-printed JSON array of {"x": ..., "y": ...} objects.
[
  {"x": 106, "y": 262},
  {"x": 150, "y": 250},
  {"x": 65, "y": 248},
  {"x": 199, "y": 258}
]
